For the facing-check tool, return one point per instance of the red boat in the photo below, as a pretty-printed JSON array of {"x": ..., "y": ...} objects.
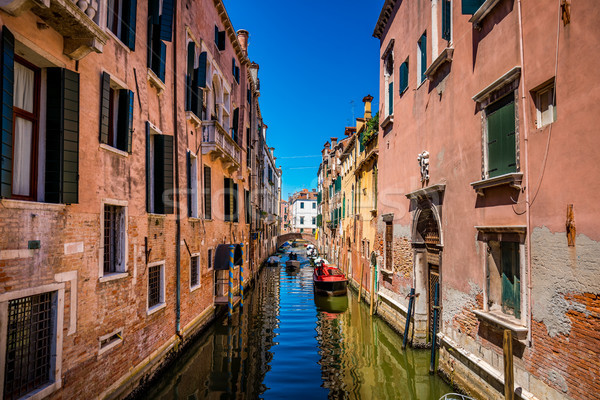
[{"x": 329, "y": 281}]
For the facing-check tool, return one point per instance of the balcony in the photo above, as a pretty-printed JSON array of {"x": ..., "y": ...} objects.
[
  {"x": 73, "y": 20},
  {"x": 217, "y": 143}
]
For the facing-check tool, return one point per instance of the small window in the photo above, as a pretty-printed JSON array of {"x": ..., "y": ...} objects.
[
  {"x": 546, "y": 105},
  {"x": 301, "y": 204},
  {"x": 209, "y": 263},
  {"x": 192, "y": 172},
  {"x": 504, "y": 277},
  {"x": 114, "y": 239},
  {"x": 422, "y": 58},
  {"x": 219, "y": 38},
  {"x": 314, "y": 205},
  {"x": 389, "y": 83},
  {"x": 156, "y": 286},
  {"x": 301, "y": 220},
  {"x": 116, "y": 119},
  {"x": 110, "y": 340},
  {"x": 194, "y": 271},
  {"x": 30, "y": 342},
  {"x": 314, "y": 220},
  {"x": 230, "y": 200},
  {"x": 446, "y": 20}
]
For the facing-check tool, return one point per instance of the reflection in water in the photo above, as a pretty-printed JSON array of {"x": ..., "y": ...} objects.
[{"x": 289, "y": 343}]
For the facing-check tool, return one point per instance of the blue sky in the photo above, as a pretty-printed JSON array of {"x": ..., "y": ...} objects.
[{"x": 317, "y": 59}]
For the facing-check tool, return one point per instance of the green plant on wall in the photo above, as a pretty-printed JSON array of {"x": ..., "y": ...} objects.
[{"x": 371, "y": 129}]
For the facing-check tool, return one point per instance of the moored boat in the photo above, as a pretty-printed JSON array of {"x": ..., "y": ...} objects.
[{"x": 329, "y": 280}]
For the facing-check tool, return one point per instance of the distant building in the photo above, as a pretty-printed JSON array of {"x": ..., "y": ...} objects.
[{"x": 303, "y": 206}]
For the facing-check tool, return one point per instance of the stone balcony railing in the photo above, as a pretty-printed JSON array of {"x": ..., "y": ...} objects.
[
  {"x": 217, "y": 143},
  {"x": 73, "y": 20}
]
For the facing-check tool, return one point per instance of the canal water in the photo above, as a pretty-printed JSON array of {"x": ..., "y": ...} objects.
[{"x": 288, "y": 343}]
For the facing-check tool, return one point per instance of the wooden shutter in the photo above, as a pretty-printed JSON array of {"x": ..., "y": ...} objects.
[
  {"x": 207, "y": 193},
  {"x": 217, "y": 35},
  {"x": 227, "y": 206},
  {"x": 233, "y": 66},
  {"x": 163, "y": 174},
  {"x": 128, "y": 23},
  {"x": 423, "y": 46},
  {"x": 470, "y": 7},
  {"x": 166, "y": 20},
  {"x": 104, "y": 107},
  {"x": 221, "y": 44},
  {"x": 511, "y": 282},
  {"x": 125, "y": 121},
  {"x": 189, "y": 182},
  {"x": 391, "y": 98},
  {"x": 234, "y": 202},
  {"x": 501, "y": 137},
  {"x": 153, "y": 12},
  {"x": 149, "y": 182},
  {"x": 446, "y": 18},
  {"x": 62, "y": 136},
  {"x": 236, "y": 119},
  {"x": 162, "y": 60},
  {"x": 403, "y": 76},
  {"x": 201, "y": 71},
  {"x": 189, "y": 77},
  {"x": 6, "y": 134}
]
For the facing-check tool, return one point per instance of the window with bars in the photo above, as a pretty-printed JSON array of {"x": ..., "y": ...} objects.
[
  {"x": 194, "y": 271},
  {"x": 207, "y": 193},
  {"x": 114, "y": 239},
  {"x": 156, "y": 285},
  {"x": 30, "y": 338}
]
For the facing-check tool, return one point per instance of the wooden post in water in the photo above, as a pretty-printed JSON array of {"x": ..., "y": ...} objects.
[
  {"x": 372, "y": 289},
  {"x": 509, "y": 378},
  {"x": 411, "y": 298},
  {"x": 362, "y": 267}
]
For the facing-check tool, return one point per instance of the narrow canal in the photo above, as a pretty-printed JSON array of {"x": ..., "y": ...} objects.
[{"x": 288, "y": 343}]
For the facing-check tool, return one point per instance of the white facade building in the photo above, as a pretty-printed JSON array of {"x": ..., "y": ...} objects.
[{"x": 304, "y": 214}]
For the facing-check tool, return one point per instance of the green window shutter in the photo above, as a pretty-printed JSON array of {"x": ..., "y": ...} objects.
[
  {"x": 470, "y": 7},
  {"x": 128, "y": 23},
  {"x": 148, "y": 169},
  {"x": 511, "y": 280},
  {"x": 207, "y": 193},
  {"x": 391, "y": 98},
  {"x": 166, "y": 20},
  {"x": 162, "y": 61},
  {"x": 189, "y": 182},
  {"x": 403, "y": 76},
  {"x": 6, "y": 134},
  {"x": 104, "y": 107},
  {"x": 446, "y": 19},
  {"x": 125, "y": 121},
  {"x": 216, "y": 35},
  {"x": 234, "y": 202},
  {"x": 501, "y": 137},
  {"x": 423, "y": 47},
  {"x": 234, "y": 128},
  {"x": 201, "y": 70},
  {"x": 62, "y": 136},
  {"x": 163, "y": 174},
  {"x": 189, "y": 77},
  {"x": 233, "y": 66}
]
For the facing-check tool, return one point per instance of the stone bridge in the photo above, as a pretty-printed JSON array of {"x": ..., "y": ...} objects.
[{"x": 290, "y": 237}]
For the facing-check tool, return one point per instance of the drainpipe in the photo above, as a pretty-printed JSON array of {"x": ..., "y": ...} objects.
[
  {"x": 526, "y": 154},
  {"x": 177, "y": 199}
]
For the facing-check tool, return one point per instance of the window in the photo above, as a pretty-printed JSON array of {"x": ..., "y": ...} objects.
[
  {"x": 389, "y": 242},
  {"x": 301, "y": 220},
  {"x": 194, "y": 271},
  {"x": 301, "y": 204},
  {"x": 192, "y": 186},
  {"x": 195, "y": 80},
  {"x": 504, "y": 277},
  {"x": 207, "y": 193},
  {"x": 110, "y": 340},
  {"x": 219, "y": 38},
  {"x": 114, "y": 240},
  {"x": 247, "y": 206},
  {"x": 403, "y": 76},
  {"x": 422, "y": 58},
  {"x": 446, "y": 20},
  {"x": 120, "y": 20},
  {"x": 235, "y": 70},
  {"x": 156, "y": 286},
  {"x": 314, "y": 220},
  {"x": 389, "y": 83},
  {"x": 314, "y": 206},
  {"x": 116, "y": 117},
  {"x": 501, "y": 146},
  {"x": 30, "y": 344},
  {"x": 25, "y": 139},
  {"x": 301, "y": 230},
  {"x": 160, "y": 27},
  {"x": 159, "y": 171},
  {"x": 470, "y": 7},
  {"x": 230, "y": 200},
  {"x": 209, "y": 257},
  {"x": 235, "y": 124},
  {"x": 545, "y": 100}
]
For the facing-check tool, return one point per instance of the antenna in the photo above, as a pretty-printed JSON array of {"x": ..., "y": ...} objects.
[{"x": 352, "y": 103}]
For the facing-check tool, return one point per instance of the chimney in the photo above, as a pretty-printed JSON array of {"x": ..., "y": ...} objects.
[
  {"x": 367, "y": 100},
  {"x": 242, "y": 36},
  {"x": 333, "y": 141}
]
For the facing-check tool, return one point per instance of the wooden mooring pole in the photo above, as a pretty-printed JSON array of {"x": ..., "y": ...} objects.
[
  {"x": 411, "y": 298},
  {"x": 509, "y": 377},
  {"x": 362, "y": 266}
]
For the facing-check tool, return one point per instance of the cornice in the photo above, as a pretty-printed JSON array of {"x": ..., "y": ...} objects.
[{"x": 386, "y": 12}]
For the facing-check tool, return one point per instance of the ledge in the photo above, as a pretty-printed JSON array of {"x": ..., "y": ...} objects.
[
  {"x": 426, "y": 192},
  {"x": 481, "y": 13},
  {"x": 113, "y": 277},
  {"x": 389, "y": 120},
  {"x": 513, "y": 74},
  {"x": 156, "y": 308},
  {"x": 193, "y": 118},
  {"x": 156, "y": 82},
  {"x": 445, "y": 56},
  {"x": 31, "y": 205},
  {"x": 503, "y": 321},
  {"x": 502, "y": 229},
  {"x": 513, "y": 180},
  {"x": 114, "y": 150}
]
